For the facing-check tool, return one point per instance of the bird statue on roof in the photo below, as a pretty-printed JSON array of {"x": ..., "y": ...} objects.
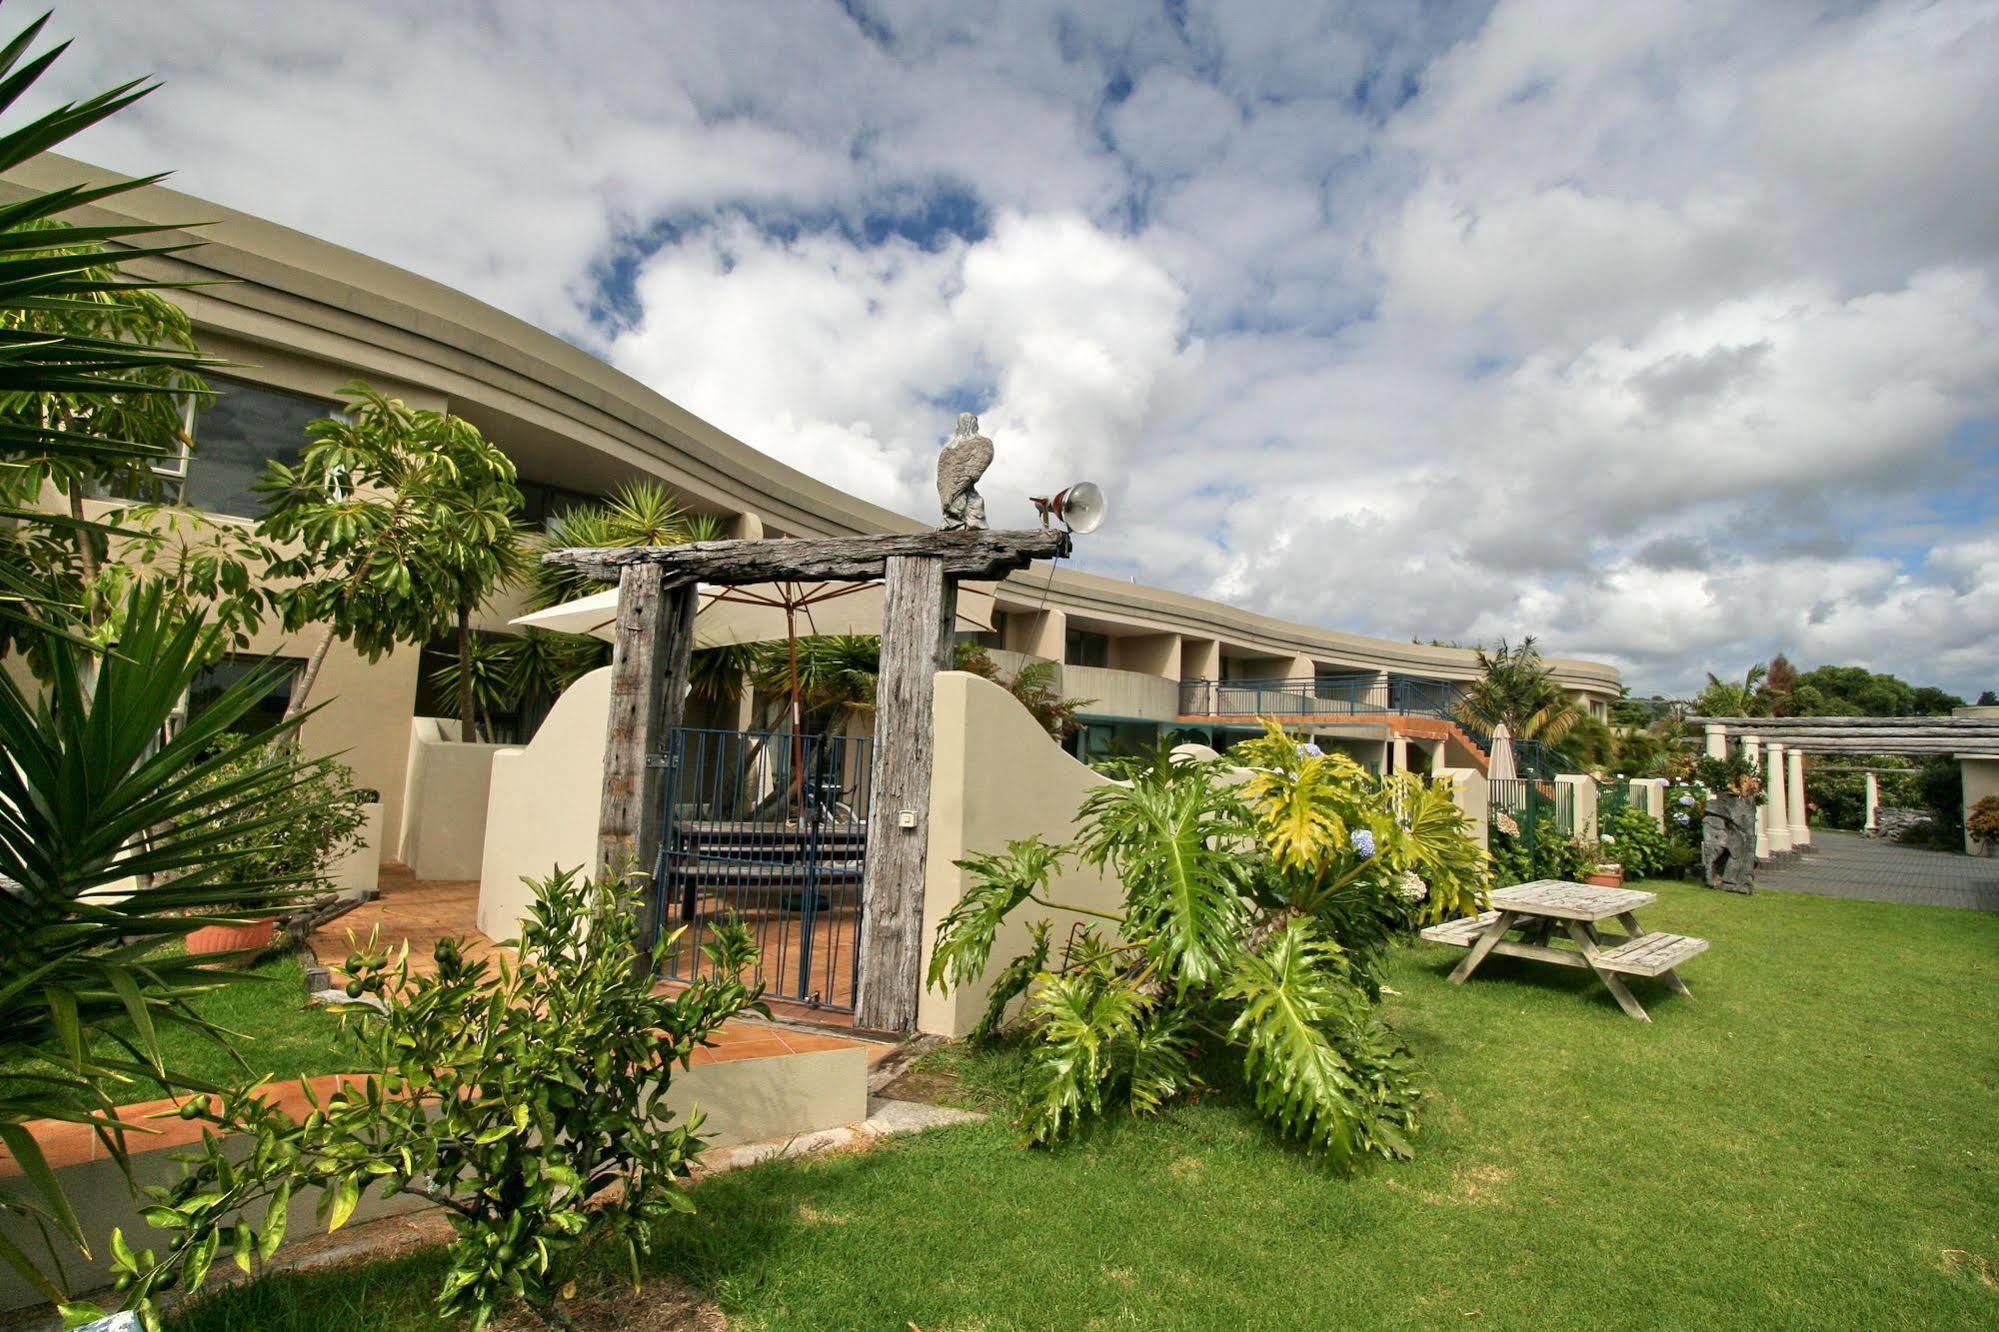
[{"x": 959, "y": 467}]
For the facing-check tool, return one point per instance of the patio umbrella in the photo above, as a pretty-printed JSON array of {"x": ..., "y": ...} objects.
[
  {"x": 764, "y": 613},
  {"x": 758, "y": 614},
  {"x": 1499, "y": 767}
]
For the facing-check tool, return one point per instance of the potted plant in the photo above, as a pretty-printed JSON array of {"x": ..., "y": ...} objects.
[
  {"x": 1983, "y": 823},
  {"x": 1607, "y": 874},
  {"x": 324, "y": 813}
]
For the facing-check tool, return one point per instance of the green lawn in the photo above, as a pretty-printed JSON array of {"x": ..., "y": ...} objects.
[
  {"x": 278, "y": 1033},
  {"x": 1812, "y": 1141}
]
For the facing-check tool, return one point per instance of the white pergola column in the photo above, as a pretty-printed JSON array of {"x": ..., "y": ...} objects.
[
  {"x": 1717, "y": 740},
  {"x": 1777, "y": 807},
  {"x": 1794, "y": 800},
  {"x": 1398, "y": 753},
  {"x": 1872, "y": 821},
  {"x": 1754, "y": 759}
]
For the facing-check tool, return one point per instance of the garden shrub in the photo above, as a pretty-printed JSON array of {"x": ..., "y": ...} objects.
[
  {"x": 1252, "y": 924},
  {"x": 318, "y": 820},
  {"x": 1548, "y": 853},
  {"x": 1983, "y": 822},
  {"x": 526, "y": 1098},
  {"x": 1633, "y": 839}
]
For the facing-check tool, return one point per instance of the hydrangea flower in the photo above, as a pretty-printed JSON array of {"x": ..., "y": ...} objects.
[
  {"x": 1682, "y": 819},
  {"x": 1413, "y": 888},
  {"x": 1310, "y": 750},
  {"x": 1363, "y": 843},
  {"x": 1687, "y": 801},
  {"x": 1606, "y": 839},
  {"x": 1506, "y": 824}
]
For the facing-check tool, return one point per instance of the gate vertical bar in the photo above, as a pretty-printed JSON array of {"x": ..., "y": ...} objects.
[
  {"x": 649, "y": 667},
  {"x": 919, "y": 610}
]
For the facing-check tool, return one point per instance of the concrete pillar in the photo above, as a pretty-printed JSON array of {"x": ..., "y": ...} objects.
[
  {"x": 1762, "y": 814},
  {"x": 1777, "y": 807},
  {"x": 1794, "y": 801},
  {"x": 1717, "y": 741},
  {"x": 1872, "y": 820},
  {"x": 1583, "y": 792},
  {"x": 1398, "y": 753},
  {"x": 1473, "y": 795},
  {"x": 1649, "y": 794}
]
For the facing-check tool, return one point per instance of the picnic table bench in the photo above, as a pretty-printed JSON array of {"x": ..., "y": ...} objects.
[{"x": 1537, "y": 909}]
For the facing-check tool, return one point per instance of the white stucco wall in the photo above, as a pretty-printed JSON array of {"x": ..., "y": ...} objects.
[
  {"x": 998, "y": 776},
  {"x": 543, "y": 802},
  {"x": 444, "y": 801}
]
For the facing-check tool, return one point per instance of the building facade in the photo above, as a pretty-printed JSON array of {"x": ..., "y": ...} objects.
[{"x": 297, "y": 317}]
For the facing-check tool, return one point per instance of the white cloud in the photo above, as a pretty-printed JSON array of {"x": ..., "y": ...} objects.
[{"x": 1668, "y": 332}]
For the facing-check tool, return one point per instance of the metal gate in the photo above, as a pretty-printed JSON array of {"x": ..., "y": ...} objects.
[{"x": 770, "y": 827}]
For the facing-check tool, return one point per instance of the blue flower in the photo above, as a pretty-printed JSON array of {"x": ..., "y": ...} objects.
[
  {"x": 1682, "y": 819},
  {"x": 1687, "y": 801},
  {"x": 1363, "y": 843}
]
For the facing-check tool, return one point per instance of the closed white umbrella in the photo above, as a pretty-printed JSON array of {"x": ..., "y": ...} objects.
[{"x": 1499, "y": 766}]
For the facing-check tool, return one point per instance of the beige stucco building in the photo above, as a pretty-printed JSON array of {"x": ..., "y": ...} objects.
[{"x": 297, "y": 317}]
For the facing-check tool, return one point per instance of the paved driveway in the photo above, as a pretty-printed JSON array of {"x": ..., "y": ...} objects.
[{"x": 1849, "y": 865}]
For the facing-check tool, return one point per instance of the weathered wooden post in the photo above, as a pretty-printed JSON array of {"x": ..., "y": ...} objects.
[
  {"x": 649, "y": 666},
  {"x": 919, "y": 611},
  {"x": 657, "y": 601}
]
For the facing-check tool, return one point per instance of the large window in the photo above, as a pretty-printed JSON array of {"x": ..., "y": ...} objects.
[
  {"x": 541, "y": 502},
  {"x": 211, "y": 683},
  {"x": 1084, "y": 648},
  {"x": 246, "y": 426}
]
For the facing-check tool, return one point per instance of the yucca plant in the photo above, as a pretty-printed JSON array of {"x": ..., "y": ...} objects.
[
  {"x": 1254, "y": 915},
  {"x": 110, "y": 854},
  {"x": 59, "y": 351}
]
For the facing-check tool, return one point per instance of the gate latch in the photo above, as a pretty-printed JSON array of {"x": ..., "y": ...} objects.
[{"x": 662, "y": 760}]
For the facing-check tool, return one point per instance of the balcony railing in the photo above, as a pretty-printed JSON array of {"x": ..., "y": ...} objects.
[
  {"x": 1320, "y": 696},
  {"x": 1333, "y": 696}
]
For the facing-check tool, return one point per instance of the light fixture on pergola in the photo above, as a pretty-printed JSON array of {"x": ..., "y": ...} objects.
[{"x": 659, "y": 591}]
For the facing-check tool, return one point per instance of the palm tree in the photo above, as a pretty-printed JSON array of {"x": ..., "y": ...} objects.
[
  {"x": 1517, "y": 690},
  {"x": 1723, "y": 698},
  {"x": 640, "y": 513}
]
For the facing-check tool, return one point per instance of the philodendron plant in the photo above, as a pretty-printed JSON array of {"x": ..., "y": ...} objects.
[
  {"x": 526, "y": 1096},
  {"x": 1254, "y": 917}
]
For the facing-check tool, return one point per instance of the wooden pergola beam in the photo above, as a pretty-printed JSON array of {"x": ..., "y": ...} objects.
[
  {"x": 1773, "y": 725},
  {"x": 968, "y": 554}
]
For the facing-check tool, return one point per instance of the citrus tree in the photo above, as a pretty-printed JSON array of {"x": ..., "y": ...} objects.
[{"x": 1254, "y": 917}]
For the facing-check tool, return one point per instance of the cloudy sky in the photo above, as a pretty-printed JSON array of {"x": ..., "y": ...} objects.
[{"x": 1668, "y": 332}]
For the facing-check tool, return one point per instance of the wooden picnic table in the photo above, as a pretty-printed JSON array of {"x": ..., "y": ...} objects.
[{"x": 1539, "y": 908}]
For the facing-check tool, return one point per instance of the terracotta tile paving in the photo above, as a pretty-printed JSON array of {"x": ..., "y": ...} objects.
[
  {"x": 783, "y": 937},
  {"x": 67, "y": 1144},
  {"x": 421, "y": 913},
  {"x": 409, "y": 910}
]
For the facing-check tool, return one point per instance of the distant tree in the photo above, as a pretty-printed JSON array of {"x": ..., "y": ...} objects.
[
  {"x": 1934, "y": 702},
  {"x": 1988, "y": 699},
  {"x": 1854, "y": 691},
  {"x": 1779, "y": 684},
  {"x": 399, "y": 520}
]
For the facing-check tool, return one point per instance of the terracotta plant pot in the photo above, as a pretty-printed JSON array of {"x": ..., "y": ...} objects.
[
  {"x": 233, "y": 938},
  {"x": 1606, "y": 876}
]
